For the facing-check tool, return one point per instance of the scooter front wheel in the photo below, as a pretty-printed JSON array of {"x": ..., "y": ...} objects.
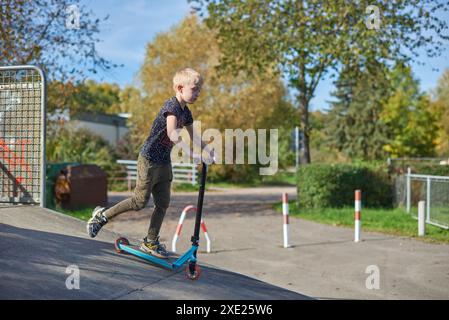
[
  {"x": 120, "y": 241},
  {"x": 193, "y": 271}
]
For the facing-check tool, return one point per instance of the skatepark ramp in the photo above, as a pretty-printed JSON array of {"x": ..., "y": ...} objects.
[{"x": 47, "y": 255}]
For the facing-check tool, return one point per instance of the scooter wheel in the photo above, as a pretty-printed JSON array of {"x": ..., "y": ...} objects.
[
  {"x": 120, "y": 241},
  {"x": 193, "y": 271}
]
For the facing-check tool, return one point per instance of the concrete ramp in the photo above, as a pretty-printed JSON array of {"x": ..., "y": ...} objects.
[{"x": 38, "y": 245}]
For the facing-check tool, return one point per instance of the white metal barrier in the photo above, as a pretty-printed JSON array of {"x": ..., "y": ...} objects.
[
  {"x": 182, "y": 172},
  {"x": 179, "y": 228}
]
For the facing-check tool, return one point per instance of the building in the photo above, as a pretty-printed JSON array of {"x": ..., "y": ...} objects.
[{"x": 109, "y": 126}]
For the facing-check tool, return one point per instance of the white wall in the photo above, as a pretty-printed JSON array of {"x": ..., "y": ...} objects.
[{"x": 108, "y": 132}]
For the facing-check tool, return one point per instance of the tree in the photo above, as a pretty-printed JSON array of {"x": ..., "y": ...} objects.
[
  {"x": 304, "y": 40},
  {"x": 226, "y": 101},
  {"x": 46, "y": 33},
  {"x": 412, "y": 126},
  {"x": 355, "y": 127},
  {"x": 96, "y": 97},
  {"x": 381, "y": 112},
  {"x": 440, "y": 105},
  {"x": 88, "y": 96},
  {"x": 320, "y": 149}
]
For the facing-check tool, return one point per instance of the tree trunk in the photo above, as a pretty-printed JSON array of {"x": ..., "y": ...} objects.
[{"x": 304, "y": 114}]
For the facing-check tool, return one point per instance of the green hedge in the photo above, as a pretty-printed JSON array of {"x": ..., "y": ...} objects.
[{"x": 333, "y": 185}]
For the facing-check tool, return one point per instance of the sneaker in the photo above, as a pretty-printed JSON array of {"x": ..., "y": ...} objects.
[
  {"x": 97, "y": 221},
  {"x": 154, "y": 248}
]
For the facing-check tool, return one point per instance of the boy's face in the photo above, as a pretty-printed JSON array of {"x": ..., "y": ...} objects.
[{"x": 190, "y": 92}]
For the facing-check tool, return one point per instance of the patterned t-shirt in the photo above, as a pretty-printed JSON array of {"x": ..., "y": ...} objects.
[{"x": 158, "y": 145}]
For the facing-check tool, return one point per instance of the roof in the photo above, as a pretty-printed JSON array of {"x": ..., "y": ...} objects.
[{"x": 103, "y": 118}]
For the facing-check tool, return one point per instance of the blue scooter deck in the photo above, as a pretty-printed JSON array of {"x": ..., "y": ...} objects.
[{"x": 171, "y": 263}]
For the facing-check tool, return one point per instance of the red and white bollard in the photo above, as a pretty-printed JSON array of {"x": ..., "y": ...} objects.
[
  {"x": 358, "y": 215},
  {"x": 285, "y": 216},
  {"x": 179, "y": 227}
]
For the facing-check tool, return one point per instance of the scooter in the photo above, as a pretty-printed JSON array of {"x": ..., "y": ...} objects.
[{"x": 193, "y": 270}]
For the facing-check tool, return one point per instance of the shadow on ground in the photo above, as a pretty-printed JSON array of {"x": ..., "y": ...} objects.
[{"x": 34, "y": 266}]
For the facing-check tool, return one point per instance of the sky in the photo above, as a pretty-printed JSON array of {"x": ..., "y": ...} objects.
[{"x": 132, "y": 24}]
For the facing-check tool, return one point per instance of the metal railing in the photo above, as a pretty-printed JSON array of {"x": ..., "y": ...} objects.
[{"x": 182, "y": 172}]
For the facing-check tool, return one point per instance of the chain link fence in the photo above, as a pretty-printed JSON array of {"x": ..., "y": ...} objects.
[
  {"x": 434, "y": 190},
  {"x": 22, "y": 135}
]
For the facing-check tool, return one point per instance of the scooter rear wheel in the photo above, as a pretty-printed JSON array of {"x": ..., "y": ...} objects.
[
  {"x": 120, "y": 241},
  {"x": 193, "y": 271}
]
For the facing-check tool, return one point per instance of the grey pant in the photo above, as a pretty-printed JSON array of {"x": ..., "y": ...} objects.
[{"x": 152, "y": 178}]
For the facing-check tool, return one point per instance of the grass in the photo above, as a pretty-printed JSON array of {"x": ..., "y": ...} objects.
[
  {"x": 389, "y": 221},
  {"x": 279, "y": 179},
  {"x": 81, "y": 213},
  {"x": 185, "y": 187}
]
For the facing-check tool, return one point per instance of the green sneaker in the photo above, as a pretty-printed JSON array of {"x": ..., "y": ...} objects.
[{"x": 154, "y": 248}]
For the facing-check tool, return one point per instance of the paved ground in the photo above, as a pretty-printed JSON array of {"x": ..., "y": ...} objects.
[
  {"x": 37, "y": 246},
  {"x": 324, "y": 262}
]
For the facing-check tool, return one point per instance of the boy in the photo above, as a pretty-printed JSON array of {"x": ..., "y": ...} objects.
[{"x": 154, "y": 172}]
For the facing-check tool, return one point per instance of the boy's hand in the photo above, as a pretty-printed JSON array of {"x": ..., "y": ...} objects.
[
  {"x": 210, "y": 158},
  {"x": 196, "y": 158}
]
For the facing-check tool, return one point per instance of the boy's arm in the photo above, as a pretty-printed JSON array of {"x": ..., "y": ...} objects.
[
  {"x": 171, "y": 128},
  {"x": 171, "y": 125},
  {"x": 196, "y": 138}
]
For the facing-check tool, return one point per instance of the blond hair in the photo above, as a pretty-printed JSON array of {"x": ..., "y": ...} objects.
[{"x": 187, "y": 76}]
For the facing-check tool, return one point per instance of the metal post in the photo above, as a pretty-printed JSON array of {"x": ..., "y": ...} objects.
[
  {"x": 408, "y": 195},
  {"x": 285, "y": 218},
  {"x": 194, "y": 174},
  {"x": 43, "y": 135},
  {"x": 297, "y": 147},
  {"x": 357, "y": 215},
  {"x": 421, "y": 218},
  {"x": 297, "y": 163},
  {"x": 428, "y": 199}
]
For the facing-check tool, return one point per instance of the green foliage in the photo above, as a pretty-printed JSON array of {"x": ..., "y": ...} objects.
[
  {"x": 307, "y": 39},
  {"x": 95, "y": 97},
  {"x": 412, "y": 126},
  {"x": 432, "y": 169},
  {"x": 36, "y": 33},
  {"x": 321, "y": 151},
  {"x": 355, "y": 126},
  {"x": 226, "y": 101},
  {"x": 238, "y": 173},
  {"x": 89, "y": 96},
  {"x": 440, "y": 105},
  {"x": 381, "y": 113},
  {"x": 322, "y": 185},
  {"x": 66, "y": 144}
]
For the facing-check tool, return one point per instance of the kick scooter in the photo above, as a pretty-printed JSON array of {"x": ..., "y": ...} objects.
[{"x": 192, "y": 270}]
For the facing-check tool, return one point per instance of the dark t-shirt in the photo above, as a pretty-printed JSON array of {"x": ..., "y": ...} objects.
[{"x": 158, "y": 145}]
